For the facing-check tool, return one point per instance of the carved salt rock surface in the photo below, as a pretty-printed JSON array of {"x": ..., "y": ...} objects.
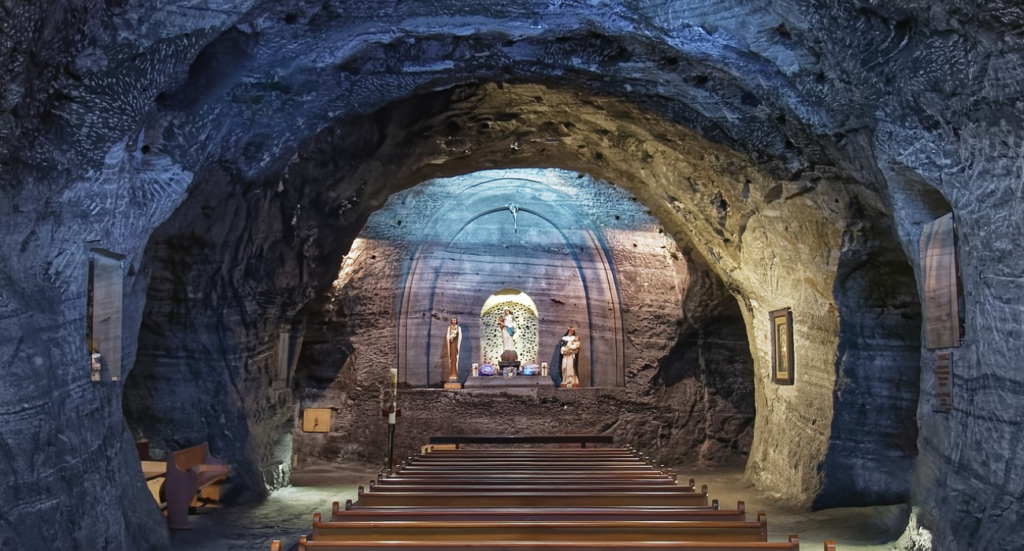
[{"x": 931, "y": 80}]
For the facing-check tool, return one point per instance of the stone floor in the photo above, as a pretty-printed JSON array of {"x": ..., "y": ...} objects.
[{"x": 289, "y": 512}]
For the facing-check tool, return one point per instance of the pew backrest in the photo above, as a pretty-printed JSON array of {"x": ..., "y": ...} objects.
[
  {"x": 189, "y": 472},
  {"x": 305, "y": 544}
]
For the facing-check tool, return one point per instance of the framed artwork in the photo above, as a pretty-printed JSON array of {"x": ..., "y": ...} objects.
[
  {"x": 316, "y": 420},
  {"x": 782, "y": 346}
]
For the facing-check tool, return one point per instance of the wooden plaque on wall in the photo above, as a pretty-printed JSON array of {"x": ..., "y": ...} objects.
[{"x": 316, "y": 420}]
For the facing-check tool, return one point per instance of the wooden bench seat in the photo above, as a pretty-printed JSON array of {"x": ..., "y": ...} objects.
[
  {"x": 193, "y": 479},
  {"x": 595, "y": 453},
  {"x": 523, "y": 480},
  {"x": 155, "y": 473},
  {"x": 307, "y": 545},
  {"x": 561, "y": 439},
  {"x": 524, "y": 474},
  {"x": 549, "y": 487},
  {"x": 531, "y": 499},
  {"x": 498, "y": 514},
  {"x": 440, "y": 456},
  {"x": 793, "y": 544},
  {"x": 530, "y": 465},
  {"x": 544, "y": 530},
  {"x": 531, "y": 450}
]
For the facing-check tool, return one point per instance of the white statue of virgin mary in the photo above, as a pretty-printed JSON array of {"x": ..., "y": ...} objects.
[{"x": 507, "y": 326}]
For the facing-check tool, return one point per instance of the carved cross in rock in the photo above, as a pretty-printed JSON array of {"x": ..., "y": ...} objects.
[{"x": 514, "y": 209}]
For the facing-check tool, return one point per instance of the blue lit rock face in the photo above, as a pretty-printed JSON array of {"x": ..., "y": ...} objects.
[{"x": 823, "y": 136}]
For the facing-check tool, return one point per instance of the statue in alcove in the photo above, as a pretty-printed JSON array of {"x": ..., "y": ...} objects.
[
  {"x": 570, "y": 349},
  {"x": 507, "y": 326},
  {"x": 453, "y": 338}
]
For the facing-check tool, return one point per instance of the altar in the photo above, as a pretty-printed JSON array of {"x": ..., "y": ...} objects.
[{"x": 519, "y": 381}]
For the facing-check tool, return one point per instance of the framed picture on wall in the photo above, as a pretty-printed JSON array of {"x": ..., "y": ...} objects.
[
  {"x": 316, "y": 420},
  {"x": 782, "y": 346}
]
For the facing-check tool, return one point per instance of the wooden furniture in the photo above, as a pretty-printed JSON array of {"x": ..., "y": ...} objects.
[
  {"x": 581, "y": 439},
  {"x": 502, "y": 514},
  {"x": 531, "y": 499},
  {"x": 154, "y": 471},
  {"x": 473, "y": 529},
  {"x": 306, "y": 545},
  {"x": 522, "y": 482},
  {"x": 193, "y": 478},
  {"x": 535, "y": 488},
  {"x": 581, "y": 499}
]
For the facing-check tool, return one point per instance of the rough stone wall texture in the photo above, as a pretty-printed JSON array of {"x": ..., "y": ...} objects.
[
  {"x": 350, "y": 345},
  {"x": 108, "y": 109}
]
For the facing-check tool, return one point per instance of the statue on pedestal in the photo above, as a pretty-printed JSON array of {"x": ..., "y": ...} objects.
[
  {"x": 507, "y": 326},
  {"x": 453, "y": 339},
  {"x": 570, "y": 349}
]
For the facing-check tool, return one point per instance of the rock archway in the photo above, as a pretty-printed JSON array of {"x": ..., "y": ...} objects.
[
  {"x": 472, "y": 245},
  {"x": 701, "y": 409},
  {"x": 770, "y": 242},
  {"x": 221, "y": 151}
]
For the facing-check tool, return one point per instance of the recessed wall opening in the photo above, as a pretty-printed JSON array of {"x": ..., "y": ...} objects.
[
  {"x": 524, "y": 334},
  {"x": 104, "y": 318},
  {"x": 575, "y": 251}
]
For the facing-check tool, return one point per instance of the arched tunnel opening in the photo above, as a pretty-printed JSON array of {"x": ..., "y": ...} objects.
[
  {"x": 245, "y": 260},
  {"x": 683, "y": 383}
]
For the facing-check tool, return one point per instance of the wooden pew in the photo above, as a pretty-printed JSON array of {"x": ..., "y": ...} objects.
[
  {"x": 515, "y": 499},
  {"x": 526, "y": 474},
  {"x": 533, "y": 498},
  {"x": 524, "y": 481},
  {"x": 193, "y": 478},
  {"x": 154, "y": 471},
  {"x": 501, "y": 514},
  {"x": 562, "y": 439},
  {"x": 555, "y": 455},
  {"x": 528, "y": 466},
  {"x": 306, "y": 545},
  {"x": 543, "y": 530},
  {"x": 560, "y": 462},
  {"x": 535, "y": 452},
  {"x": 550, "y": 487},
  {"x": 793, "y": 544}
]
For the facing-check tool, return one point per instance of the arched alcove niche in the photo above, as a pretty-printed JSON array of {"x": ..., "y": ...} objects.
[
  {"x": 510, "y": 232},
  {"x": 526, "y": 333}
]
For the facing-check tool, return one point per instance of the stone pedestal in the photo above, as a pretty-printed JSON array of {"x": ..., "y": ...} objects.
[{"x": 453, "y": 385}]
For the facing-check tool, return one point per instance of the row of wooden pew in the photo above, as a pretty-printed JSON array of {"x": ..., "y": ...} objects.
[{"x": 531, "y": 499}]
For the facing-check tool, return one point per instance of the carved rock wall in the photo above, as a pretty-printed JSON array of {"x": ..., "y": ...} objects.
[{"x": 109, "y": 109}]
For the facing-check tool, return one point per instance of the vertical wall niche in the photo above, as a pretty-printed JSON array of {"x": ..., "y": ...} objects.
[
  {"x": 289, "y": 344},
  {"x": 104, "y": 313},
  {"x": 942, "y": 290}
]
